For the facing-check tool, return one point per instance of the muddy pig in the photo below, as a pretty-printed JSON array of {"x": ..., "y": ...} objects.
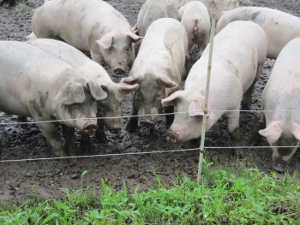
[
  {"x": 36, "y": 84},
  {"x": 109, "y": 107},
  {"x": 152, "y": 10},
  {"x": 280, "y": 122},
  {"x": 158, "y": 69},
  {"x": 195, "y": 19},
  {"x": 280, "y": 27},
  {"x": 213, "y": 6},
  {"x": 237, "y": 61},
  {"x": 93, "y": 26}
]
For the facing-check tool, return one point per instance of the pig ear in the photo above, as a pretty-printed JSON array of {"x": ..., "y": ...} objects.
[
  {"x": 135, "y": 38},
  {"x": 272, "y": 132},
  {"x": 106, "y": 41},
  {"x": 96, "y": 90},
  {"x": 70, "y": 93},
  {"x": 180, "y": 12},
  {"x": 125, "y": 89},
  {"x": 173, "y": 99},
  {"x": 197, "y": 106},
  {"x": 296, "y": 131},
  {"x": 130, "y": 80},
  {"x": 164, "y": 81}
]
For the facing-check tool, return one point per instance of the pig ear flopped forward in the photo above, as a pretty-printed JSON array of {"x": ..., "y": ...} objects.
[
  {"x": 272, "y": 132},
  {"x": 125, "y": 89},
  {"x": 106, "y": 41},
  {"x": 130, "y": 80},
  {"x": 166, "y": 82},
  {"x": 135, "y": 38},
  {"x": 296, "y": 131},
  {"x": 196, "y": 108},
  {"x": 70, "y": 93},
  {"x": 173, "y": 99},
  {"x": 96, "y": 90}
]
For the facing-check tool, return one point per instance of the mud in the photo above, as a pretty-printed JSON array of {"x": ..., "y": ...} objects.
[{"x": 28, "y": 165}]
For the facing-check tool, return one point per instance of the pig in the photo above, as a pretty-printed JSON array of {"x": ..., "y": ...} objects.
[
  {"x": 152, "y": 10},
  {"x": 36, "y": 84},
  {"x": 158, "y": 69},
  {"x": 280, "y": 123},
  {"x": 109, "y": 107},
  {"x": 238, "y": 57},
  {"x": 195, "y": 18},
  {"x": 93, "y": 26},
  {"x": 274, "y": 22},
  {"x": 213, "y": 6}
]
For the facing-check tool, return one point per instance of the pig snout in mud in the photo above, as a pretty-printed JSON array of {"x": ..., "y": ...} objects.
[
  {"x": 177, "y": 134},
  {"x": 148, "y": 117},
  {"x": 88, "y": 125},
  {"x": 279, "y": 164},
  {"x": 115, "y": 127}
]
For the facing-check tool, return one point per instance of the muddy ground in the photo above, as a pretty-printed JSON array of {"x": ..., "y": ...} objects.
[{"x": 28, "y": 165}]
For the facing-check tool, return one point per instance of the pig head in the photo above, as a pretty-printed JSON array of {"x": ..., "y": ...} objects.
[
  {"x": 190, "y": 114},
  {"x": 277, "y": 137},
  {"x": 116, "y": 48},
  {"x": 147, "y": 98},
  {"x": 97, "y": 28}
]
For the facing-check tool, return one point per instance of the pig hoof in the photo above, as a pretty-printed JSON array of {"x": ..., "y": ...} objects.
[
  {"x": 172, "y": 140},
  {"x": 60, "y": 153}
]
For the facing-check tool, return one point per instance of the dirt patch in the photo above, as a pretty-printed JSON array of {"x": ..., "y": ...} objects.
[{"x": 130, "y": 157}]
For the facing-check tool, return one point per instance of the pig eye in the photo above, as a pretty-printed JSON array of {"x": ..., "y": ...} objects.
[{"x": 110, "y": 49}]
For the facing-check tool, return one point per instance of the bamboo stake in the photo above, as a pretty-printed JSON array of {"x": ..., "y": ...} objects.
[{"x": 205, "y": 110}]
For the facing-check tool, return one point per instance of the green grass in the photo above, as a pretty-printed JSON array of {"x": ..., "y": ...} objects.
[{"x": 246, "y": 196}]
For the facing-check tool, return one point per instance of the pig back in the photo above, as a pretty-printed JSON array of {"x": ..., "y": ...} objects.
[
  {"x": 27, "y": 73},
  {"x": 242, "y": 47},
  {"x": 91, "y": 18},
  {"x": 274, "y": 22},
  {"x": 72, "y": 56},
  {"x": 170, "y": 46},
  {"x": 152, "y": 10},
  {"x": 282, "y": 90}
]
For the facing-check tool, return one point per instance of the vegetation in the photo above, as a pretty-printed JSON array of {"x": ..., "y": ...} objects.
[{"x": 244, "y": 197}]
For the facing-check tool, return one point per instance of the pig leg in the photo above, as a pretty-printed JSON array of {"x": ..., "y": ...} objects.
[
  {"x": 100, "y": 134},
  {"x": 50, "y": 132},
  {"x": 247, "y": 98},
  {"x": 22, "y": 119},
  {"x": 234, "y": 132},
  {"x": 85, "y": 142},
  {"x": 132, "y": 123},
  {"x": 70, "y": 141},
  {"x": 256, "y": 137}
]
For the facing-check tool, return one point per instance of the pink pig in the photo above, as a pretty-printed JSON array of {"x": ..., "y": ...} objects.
[
  {"x": 238, "y": 59},
  {"x": 93, "y": 26},
  {"x": 280, "y": 100}
]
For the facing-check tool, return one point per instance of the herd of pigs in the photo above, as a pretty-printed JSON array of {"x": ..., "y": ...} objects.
[{"x": 49, "y": 78}]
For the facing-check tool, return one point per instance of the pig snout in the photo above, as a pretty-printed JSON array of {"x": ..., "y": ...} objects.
[
  {"x": 148, "y": 117},
  {"x": 119, "y": 68},
  {"x": 176, "y": 134},
  {"x": 114, "y": 125},
  {"x": 279, "y": 164},
  {"x": 146, "y": 121},
  {"x": 89, "y": 129},
  {"x": 87, "y": 125}
]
